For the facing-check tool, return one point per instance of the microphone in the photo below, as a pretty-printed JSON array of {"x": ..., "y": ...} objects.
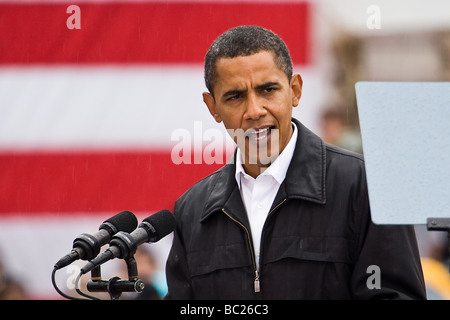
[
  {"x": 123, "y": 245},
  {"x": 87, "y": 246}
]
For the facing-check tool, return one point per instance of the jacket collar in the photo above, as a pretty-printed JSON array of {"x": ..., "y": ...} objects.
[{"x": 305, "y": 178}]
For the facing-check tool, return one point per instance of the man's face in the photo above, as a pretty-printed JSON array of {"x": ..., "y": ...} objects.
[{"x": 251, "y": 93}]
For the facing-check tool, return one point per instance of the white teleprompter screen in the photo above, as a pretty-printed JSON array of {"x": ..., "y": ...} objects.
[{"x": 405, "y": 129}]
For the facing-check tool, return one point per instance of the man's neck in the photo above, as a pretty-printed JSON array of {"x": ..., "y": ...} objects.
[{"x": 254, "y": 170}]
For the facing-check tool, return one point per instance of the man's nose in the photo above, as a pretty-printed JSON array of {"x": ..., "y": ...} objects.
[{"x": 255, "y": 108}]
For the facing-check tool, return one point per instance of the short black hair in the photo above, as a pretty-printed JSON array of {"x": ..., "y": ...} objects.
[{"x": 245, "y": 41}]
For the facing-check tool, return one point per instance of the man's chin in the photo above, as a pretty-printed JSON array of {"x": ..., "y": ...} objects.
[{"x": 262, "y": 158}]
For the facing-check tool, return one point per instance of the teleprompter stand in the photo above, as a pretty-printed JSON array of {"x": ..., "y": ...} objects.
[
  {"x": 440, "y": 224},
  {"x": 115, "y": 286}
]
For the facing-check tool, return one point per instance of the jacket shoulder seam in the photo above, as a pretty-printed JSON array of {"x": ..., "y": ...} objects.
[
  {"x": 210, "y": 176},
  {"x": 211, "y": 189},
  {"x": 344, "y": 152}
]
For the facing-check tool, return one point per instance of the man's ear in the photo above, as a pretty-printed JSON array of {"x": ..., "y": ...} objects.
[
  {"x": 210, "y": 102},
  {"x": 296, "y": 87}
]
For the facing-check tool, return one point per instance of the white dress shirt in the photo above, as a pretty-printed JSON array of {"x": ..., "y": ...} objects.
[{"x": 258, "y": 194}]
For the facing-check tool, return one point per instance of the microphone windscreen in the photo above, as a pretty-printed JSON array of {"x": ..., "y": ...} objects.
[
  {"x": 124, "y": 221},
  {"x": 163, "y": 222}
]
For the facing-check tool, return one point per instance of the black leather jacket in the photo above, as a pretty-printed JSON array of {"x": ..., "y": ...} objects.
[{"x": 318, "y": 241}]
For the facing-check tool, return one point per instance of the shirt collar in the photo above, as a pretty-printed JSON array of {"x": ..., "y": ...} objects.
[{"x": 278, "y": 168}]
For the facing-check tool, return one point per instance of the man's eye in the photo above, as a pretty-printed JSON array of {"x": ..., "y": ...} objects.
[
  {"x": 269, "y": 90},
  {"x": 234, "y": 97}
]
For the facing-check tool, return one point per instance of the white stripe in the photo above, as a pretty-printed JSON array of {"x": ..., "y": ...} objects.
[
  {"x": 111, "y": 107},
  {"x": 97, "y": 107}
]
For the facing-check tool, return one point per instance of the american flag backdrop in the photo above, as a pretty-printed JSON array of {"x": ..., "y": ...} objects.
[{"x": 88, "y": 112}]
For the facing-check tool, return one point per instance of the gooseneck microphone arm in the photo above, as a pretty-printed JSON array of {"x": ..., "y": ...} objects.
[{"x": 115, "y": 286}]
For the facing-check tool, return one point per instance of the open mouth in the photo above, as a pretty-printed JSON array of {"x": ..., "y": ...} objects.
[{"x": 259, "y": 135}]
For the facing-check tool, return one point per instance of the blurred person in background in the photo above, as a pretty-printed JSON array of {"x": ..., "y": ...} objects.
[
  {"x": 433, "y": 247},
  {"x": 10, "y": 288},
  {"x": 146, "y": 263},
  {"x": 148, "y": 273},
  {"x": 336, "y": 131}
]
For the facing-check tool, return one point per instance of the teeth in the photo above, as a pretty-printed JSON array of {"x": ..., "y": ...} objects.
[
  {"x": 257, "y": 134},
  {"x": 261, "y": 134},
  {"x": 262, "y": 131},
  {"x": 260, "y": 138}
]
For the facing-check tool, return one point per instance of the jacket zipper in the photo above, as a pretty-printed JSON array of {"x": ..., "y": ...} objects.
[
  {"x": 256, "y": 286},
  {"x": 268, "y": 215},
  {"x": 275, "y": 208}
]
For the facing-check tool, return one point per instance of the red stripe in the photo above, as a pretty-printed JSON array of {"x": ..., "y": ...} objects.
[
  {"x": 68, "y": 183},
  {"x": 151, "y": 32}
]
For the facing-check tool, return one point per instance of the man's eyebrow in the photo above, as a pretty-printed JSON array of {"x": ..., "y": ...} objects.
[
  {"x": 258, "y": 87},
  {"x": 267, "y": 85},
  {"x": 233, "y": 92}
]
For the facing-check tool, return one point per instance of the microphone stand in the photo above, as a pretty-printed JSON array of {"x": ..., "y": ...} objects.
[{"x": 115, "y": 286}]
